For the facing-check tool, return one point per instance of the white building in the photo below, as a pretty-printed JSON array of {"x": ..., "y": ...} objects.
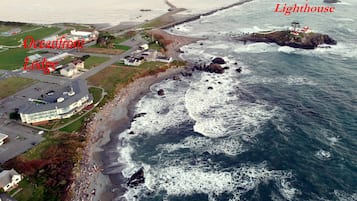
[
  {"x": 85, "y": 35},
  {"x": 133, "y": 61},
  {"x": 9, "y": 179},
  {"x": 58, "y": 57},
  {"x": 35, "y": 57},
  {"x": 69, "y": 71},
  {"x": 144, "y": 47},
  {"x": 3, "y": 138},
  {"x": 72, "y": 68},
  {"x": 60, "y": 104}
]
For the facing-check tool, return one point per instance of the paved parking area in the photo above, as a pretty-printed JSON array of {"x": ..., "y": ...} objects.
[{"x": 20, "y": 140}]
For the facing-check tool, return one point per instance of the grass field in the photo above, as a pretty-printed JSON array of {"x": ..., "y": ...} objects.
[
  {"x": 75, "y": 126},
  {"x": 37, "y": 34},
  {"x": 12, "y": 85},
  {"x": 111, "y": 76},
  {"x": 121, "y": 47},
  {"x": 96, "y": 92},
  {"x": 24, "y": 27},
  {"x": 66, "y": 60},
  {"x": 13, "y": 58},
  {"x": 29, "y": 191},
  {"x": 93, "y": 61},
  {"x": 117, "y": 76}
]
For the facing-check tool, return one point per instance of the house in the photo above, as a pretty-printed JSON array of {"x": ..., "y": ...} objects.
[
  {"x": 79, "y": 64},
  {"x": 9, "y": 179},
  {"x": 133, "y": 61},
  {"x": 164, "y": 59},
  {"x": 72, "y": 68},
  {"x": 61, "y": 103},
  {"x": 69, "y": 71},
  {"x": 144, "y": 47},
  {"x": 3, "y": 138}
]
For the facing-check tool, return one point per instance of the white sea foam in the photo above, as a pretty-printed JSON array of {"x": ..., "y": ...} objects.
[
  {"x": 186, "y": 179},
  {"x": 286, "y": 49},
  {"x": 289, "y": 80},
  {"x": 162, "y": 112},
  {"x": 229, "y": 146},
  {"x": 343, "y": 196},
  {"x": 323, "y": 155}
]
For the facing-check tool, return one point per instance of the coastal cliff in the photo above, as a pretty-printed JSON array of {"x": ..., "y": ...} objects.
[{"x": 286, "y": 38}]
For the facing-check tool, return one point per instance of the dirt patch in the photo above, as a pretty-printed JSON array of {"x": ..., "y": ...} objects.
[{"x": 172, "y": 43}]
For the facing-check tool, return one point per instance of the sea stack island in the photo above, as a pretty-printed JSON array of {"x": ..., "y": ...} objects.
[{"x": 295, "y": 37}]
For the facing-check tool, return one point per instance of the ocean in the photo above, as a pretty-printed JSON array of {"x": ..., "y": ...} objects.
[{"x": 283, "y": 129}]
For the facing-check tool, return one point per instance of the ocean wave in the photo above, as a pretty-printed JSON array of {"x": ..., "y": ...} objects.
[
  {"x": 343, "y": 196},
  {"x": 229, "y": 146},
  {"x": 289, "y": 80},
  {"x": 187, "y": 179},
  {"x": 162, "y": 112}
]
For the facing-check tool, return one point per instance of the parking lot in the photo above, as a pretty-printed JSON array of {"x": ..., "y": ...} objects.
[{"x": 20, "y": 140}]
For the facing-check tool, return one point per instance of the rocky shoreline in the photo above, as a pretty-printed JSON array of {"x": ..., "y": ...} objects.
[{"x": 100, "y": 155}]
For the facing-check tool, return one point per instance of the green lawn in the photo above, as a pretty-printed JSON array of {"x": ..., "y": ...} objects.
[
  {"x": 36, "y": 152},
  {"x": 4, "y": 28},
  {"x": 155, "y": 46},
  {"x": 66, "y": 60},
  {"x": 75, "y": 126},
  {"x": 29, "y": 191},
  {"x": 112, "y": 77},
  {"x": 121, "y": 47},
  {"x": 97, "y": 94},
  {"x": 151, "y": 65},
  {"x": 12, "y": 85},
  {"x": 13, "y": 58},
  {"x": 93, "y": 61},
  {"x": 66, "y": 31},
  {"x": 37, "y": 34}
]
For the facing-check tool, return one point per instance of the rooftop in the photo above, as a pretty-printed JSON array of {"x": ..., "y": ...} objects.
[
  {"x": 59, "y": 98},
  {"x": 3, "y": 136},
  {"x": 6, "y": 176}
]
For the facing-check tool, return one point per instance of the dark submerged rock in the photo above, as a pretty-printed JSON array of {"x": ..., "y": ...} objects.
[
  {"x": 218, "y": 60},
  {"x": 331, "y": 1},
  {"x": 161, "y": 92},
  {"x": 176, "y": 77},
  {"x": 239, "y": 70},
  {"x": 137, "y": 178}
]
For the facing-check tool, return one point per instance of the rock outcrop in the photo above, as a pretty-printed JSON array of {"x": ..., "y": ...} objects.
[
  {"x": 218, "y": 60},
  {"x": 286, "y": 38},
  {"x": 212, "y": 68},
  {"x": 137, "y": 178},
  {"x": 331, "y": 1},
  {"x": 161, "y": 92}
]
